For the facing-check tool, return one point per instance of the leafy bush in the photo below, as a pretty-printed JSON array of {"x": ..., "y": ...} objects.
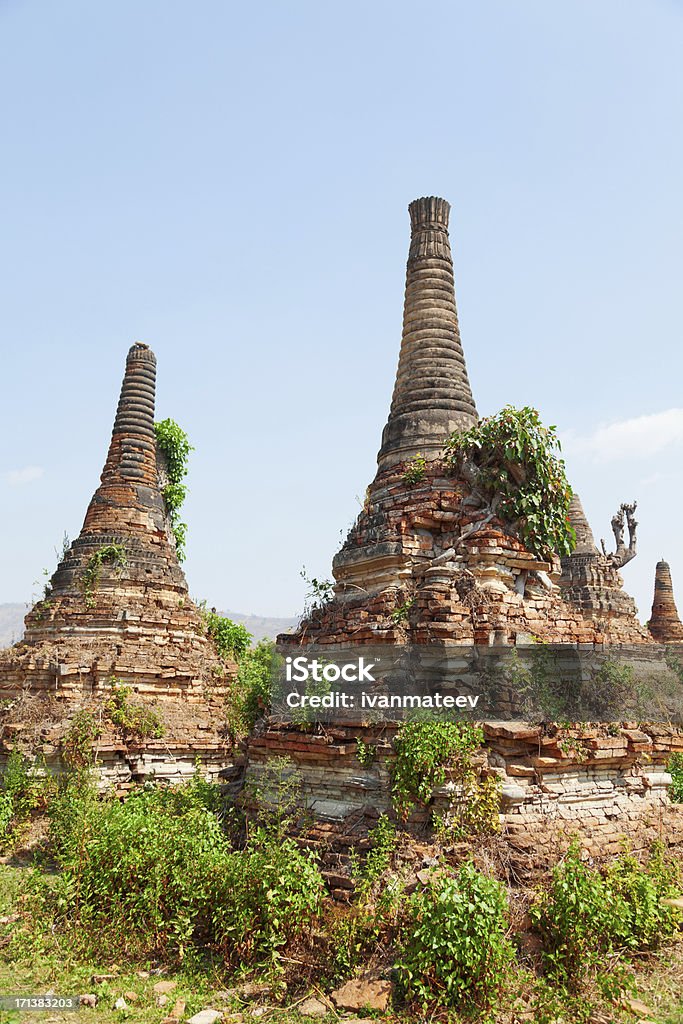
[
  {"x": 584, "y": 915},
  {"x": 133, "y": 719},
  {"x": 428, "y": 750},
  {"x": 76, "y": 744},
  {"x": 383, "y": 841},
  {"x": 416, "y": 470},
  {"x": 675, "y": 767},
  {"x": 109, "y": 554},
  {"x": 249, "y": 695},
  {"x": 455, "y": 952},
  {"x": 21, "y": 791},
  {"x": 158, "y": 875},
  {"x": 512, "y": 459},
  {"x": 231, "y": 639},
  {"x": 648, "y": 922}
]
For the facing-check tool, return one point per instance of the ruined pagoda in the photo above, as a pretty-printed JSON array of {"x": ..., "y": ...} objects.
[
  {"x": 118, "y": 606},
  {"x": 423, "y": 563},
  {"x": 664, "y": 624}
]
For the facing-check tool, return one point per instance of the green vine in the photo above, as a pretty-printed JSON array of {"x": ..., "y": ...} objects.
[
  {"x": 365, "y": 752},
  {"x": 173, "y": 443},
  {"x": 416, "y": 470},
  {"x": 675, "y": 769},
  {"x": 513, "y": 462},
  {"x": 231, "y": 639},
  {"x": 77, "y": 741},
  {"x": 427, "y": 753},
  {"x": 133, "y": 719},
  {"x": 109, "y": 554}
]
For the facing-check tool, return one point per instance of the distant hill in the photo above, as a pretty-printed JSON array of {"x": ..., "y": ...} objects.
[
  {"x": 260, "y": 626},
  {"x": 11, "y": 623}
]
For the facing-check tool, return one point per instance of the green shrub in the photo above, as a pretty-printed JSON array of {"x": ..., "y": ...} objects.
[
  {"x": 383, "y": 841},
  {"x": 157, "y": 875},
  {"x": 174, "y": 445},
  {"x": 584, "y": 915},
  {"x": 110, "y": 554},
  {"x": 415, "y": 471},
  {"x": 136, "y": 720},
  {"x": 455, "y": 952},
  {"x": 429, "y": 750},
  {"x": 675, "y": 767},
  {"x": 513, "y": 459},
  {"x": 249, "y": 695},
  {"x": 76, "y": 744},
  {"x": 21, "y": 792},
  {"x": 231, "y": 639},
  {"x": 648, "y": 923}
]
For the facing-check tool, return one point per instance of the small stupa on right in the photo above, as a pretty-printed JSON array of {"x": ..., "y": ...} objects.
[{"x": 664, "y": 624}]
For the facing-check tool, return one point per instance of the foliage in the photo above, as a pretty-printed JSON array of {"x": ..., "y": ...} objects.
[
  {"x": 455, "y": 952},
  {"x": 22, "y": 790},
  {"x": 133, "y": 719},
  {"x": 401, "y": 613},
  {"x": 584, "y": 915},
  {"x": 249, "y": 695},
  {"x": 365, "y": 752},
  {"x": 549, "y": 691},
  {"x": 416, "y": 470},
  {"x": 231, "y": 639},
  {"x": 515, "y": 463},
  {"x": 383, "y": 841},
  {"x": 108, "y": 554},
  {"x": 649, "y": 923},
  {"x": 125, "y": 885},
  {"x": 356, "y": 933},
  {"x": 426, "y": 750},
  {"x": 275, "y": 795},
  {"x": 675, "y": 768},
  {"x": 173, "y": 443},
  {"x": 319, "y": 593},
  {"x": 77, "y": 741},
  {"x": 474, "y": 808}
]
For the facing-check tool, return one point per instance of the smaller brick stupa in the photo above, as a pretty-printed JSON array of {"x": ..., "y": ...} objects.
[
  {"x": 665, "y": 625},
  {"x": 590, "y": 577},
  {"x": 118, "y": 606}
]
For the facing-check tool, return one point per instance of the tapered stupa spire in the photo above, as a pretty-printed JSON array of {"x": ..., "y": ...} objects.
[
  {"x": 585, "y": 542},
  {"x": 665, "y": 624},
  {"x": 432, "y": 395},
  {"x": 128, "y": 498}
]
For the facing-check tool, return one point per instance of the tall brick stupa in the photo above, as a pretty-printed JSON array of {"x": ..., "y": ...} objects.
[
  {"x": 118, "y": 606},
  {"x": 425, "y": 561}
]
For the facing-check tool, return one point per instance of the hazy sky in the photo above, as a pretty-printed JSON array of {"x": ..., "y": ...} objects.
[{"x": 228, "y": 183}]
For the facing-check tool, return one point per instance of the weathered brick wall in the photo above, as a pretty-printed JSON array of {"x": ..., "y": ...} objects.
[{"x": 582, "y": 780}]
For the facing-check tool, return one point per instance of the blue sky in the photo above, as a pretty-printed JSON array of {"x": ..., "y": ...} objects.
[{"x": 228, "y": 183}]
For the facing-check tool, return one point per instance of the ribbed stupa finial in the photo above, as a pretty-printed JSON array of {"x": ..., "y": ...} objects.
[
  {"x": 432, "y": 395},
  {"x": 585, "y": 542}
]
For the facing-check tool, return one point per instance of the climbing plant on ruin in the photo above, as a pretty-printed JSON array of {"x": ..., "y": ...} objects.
[
  {"x": 430, "y": 751},
  {"x": 173, "y": 443},
  {"x": 109, "y": 554},
  {"x": 512, "y": 463}
]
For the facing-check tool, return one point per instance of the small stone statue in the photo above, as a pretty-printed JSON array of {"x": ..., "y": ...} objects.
[{"x": 623, "y": 554}]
